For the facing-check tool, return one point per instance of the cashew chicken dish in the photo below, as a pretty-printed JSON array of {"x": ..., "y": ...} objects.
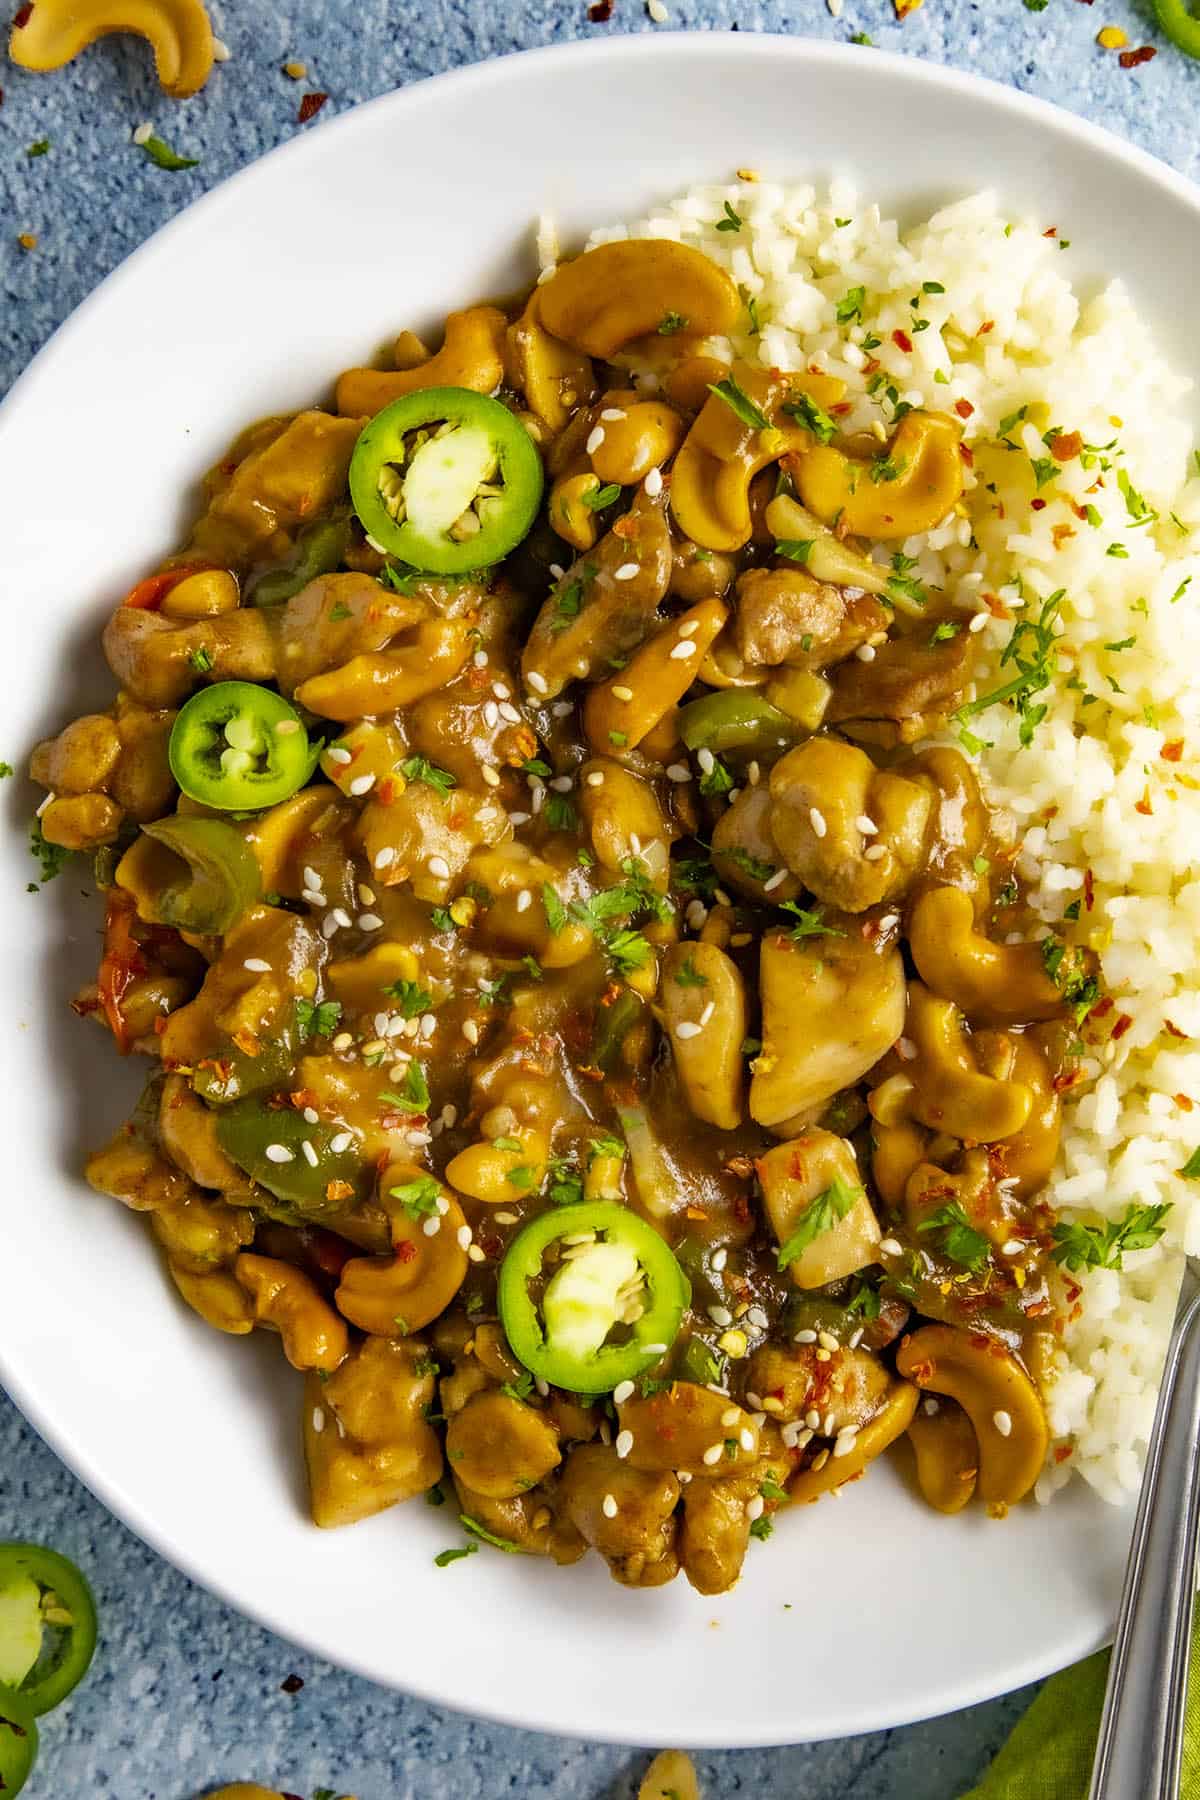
[{"x": 593, "y": 1012}]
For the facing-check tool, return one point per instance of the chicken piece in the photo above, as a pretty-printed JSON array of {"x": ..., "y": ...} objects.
[
  {"x": 687, "y": 1427},
  {"x": 500, "y": 1446},
  {"x": 279, "y": 485},
  {"x": 905, "y": 693},
  {"x": 745, "y": 854},
  {"x": 156, "y": 659},
  {"x": 598, "y": 611},
  {"x": 812, "y": 1181},
  {"x": 337, "y": 617},
  {"x": 534, "y": 1522},
  {"x": 367, "y": 1442},
  {"x": 431, "y": 836},
  {"x": 627, "y": 1514},
  {"x": 855, "y": 835},
  {"x": 80, "y": 759},
  {"x": 792, "y": 1381},
  {"x": 188, "y": 1132},
  {"x": 717, "y": 1516},
  {"x": 785, "y": 616}
]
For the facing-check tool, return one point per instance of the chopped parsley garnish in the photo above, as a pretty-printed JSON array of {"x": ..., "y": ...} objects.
[
  {"x": 533, "y": 765},
  {"x": 818, "y": 1217},
  {"x": 604, "y": 496},
  {"x": 564, "y": 1183},
  {"x": 969, "y": 1248},
  {"x": 1044, "y": 470},
  {"x": 1191, "y": 1167},
  {"x": 419, "y": 768},
  {"x": 1122, "y": 644},
  {"x": 863, "y": 37},
  {"x": 716, "y": 780},
  {"x": 805, "y": 410},
  {"x": 751, "y": 305},
  {"x": 494, "y": 993},
  {"x": 864, "y": 1302},
  {"x": 1117, "y": 550},
  {"x": 1182, "y": 589},
  {"x": 942, "y": 633},
  {"x": 770, "y": 1489},
  {"x": 605, "y": 1146},
  {"x": 556, "y": 912},
  {"x": 761, "y": 1528},
  {"x": 628, "y": 949},
  {"x": 200, "y": 660},
  {"x": 444, "y": 1558},
  {"x": 886, "y": 468},
  {"x": 488, "y": 1537},
  {"x": 317, "y": 1021},
  {"x": 414, "y": 1094},
  {"x": 1011, "y": 422},
  {"x": 670, "y": 323},
  {"x": 850, "y": 306},
  {"x": 695, "y": 875},
  {"x": 51, "y": 857},
  {"x": 740, "y": 404},
  {"x": 689, "y": 976},
  {"x": 1080, "y": 990},
  {"x": 38, "y": 148},
  {"x": 523, "y": 1177},
  {"x": 419, "y": 1198},
  {"x": 732, "y": 221},
  {"x": 338, "y": 611},
  {"x": 6, "y": 769},
  {"x": 410, "y": 997},
  {"x": 902, "y": 584},
  {"x": 1031, "y": 649},
  {"x": 1104, "y": 1246},
  {"x": 441, "y": 919},
  {"x": 520, "y": 1389},
  {"x": 932, "y": 287},
  {"x": 810, "y": 922},
  {"x": 1135, "y": 505},
  {"x": 559, "y": 813},
  {"x": 795, "y": 549},
  {"x": 163, "y": 156},
  {"x": 618, "y": 739},
  {"x": 752, "y": 866}
]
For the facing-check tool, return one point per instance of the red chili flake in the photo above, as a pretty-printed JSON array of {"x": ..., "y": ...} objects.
[
  {"x": 967, "y": 455},
  {"x": 1102, "y": 1007},
  {"x": 291, "y": 1685},
  {"x": 1143, "y": 805},
  {"x": 1053, "y": 232},
  {"x": 1174, "y": 1030},
  {"x": 1073, "y": 1291},
  {"x": 310, "y": 106},
  {"x": 1063, "y": 1451},
  {"x": 988, "y": 325},
  {"x": 600, "y": 12},
  {"x": 22, "y": 17},
  {"x": 870, "y": 366},
  {"x": 1037, "y": 506},
  {"x": 1124, "y": 1021},
  {"x": 843, "y": 406},
  {"x": 406, "y": 1252},
  {"x": 1089, "y": 889},
  {"x": 1129, "y": 59},
  {"x": 963, "y": 408},
  {"x": 902, "y": 341},
  {"x": 1183, "y": 1101},
  {"x": 385, "y": 792},
  {"x": 1065, "y": 446},
  {"x": 1172, "y": 751}
]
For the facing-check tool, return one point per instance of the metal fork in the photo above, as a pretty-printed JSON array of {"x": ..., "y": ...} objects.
[{"x": 1141, "y": 1729}]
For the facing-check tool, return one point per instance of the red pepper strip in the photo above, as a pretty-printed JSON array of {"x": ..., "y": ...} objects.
[
  {"x": 120, "y": 962},
  {"x": 149, "y": 595}
]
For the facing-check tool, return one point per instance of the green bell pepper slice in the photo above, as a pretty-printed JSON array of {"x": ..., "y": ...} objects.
[
  {"x": 446, "y": 480},
  {"x": 210, "y": 875},
  {"x": 47, "y": 1634},
  {"x": 1181, "y": 25},
  {"x": 576, "y": 1323},
  {"x": 247, "y": 1129},
  {"x": 320, "y": 547},
  {"x": 18, "y": 1743},
  {"x": 734, "y": 719},
  {"x": 240, "y": 747}
]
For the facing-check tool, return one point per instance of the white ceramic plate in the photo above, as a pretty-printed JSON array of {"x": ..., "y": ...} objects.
[{"x": 869, "y": 1612}]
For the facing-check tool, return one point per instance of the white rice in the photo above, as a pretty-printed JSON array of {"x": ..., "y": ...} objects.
[{"x": 1008, "y": 331}]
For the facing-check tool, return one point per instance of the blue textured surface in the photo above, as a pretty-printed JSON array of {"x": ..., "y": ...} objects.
[{"x": 184, "y": 1693}]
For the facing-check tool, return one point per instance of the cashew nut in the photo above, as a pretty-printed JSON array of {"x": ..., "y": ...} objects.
[
  {"x": 202, "y": 596},
  {"x": 625, "y": 820},
  {"x": 700, "y": 983},
  {"x": 721, "y": 455},
  {"x": 392, "y": 1296},
  {"x": 793, "y": 1176},
  {"x": 626, "y": 290},
  {"x": 822, "y": 792},
  {"x": 908, "y": 488},
  {"x": 996, "y": 1394},
  {"x": 82, "y": 821},
  {"x": 568, "y": 511},
  {"x": 950, "y": 1093},
  {"x": 554, "y": 379},
  {"x": 1030, "y": 1154},
  {"x": 54, "y": 32},
  {"x": 471, "y": 356},
  {"x": 285, "y": 1298},
  {"x": 80, "y": 759},
  {"x": 619, "y": 712},
  {"x": 391, "y": 679},
  {"x": 947, "y": 1454},
  {"x": 216, "y": 1296},
  {"x": 890, "y": 1422},
  {"x": 647, "y": 434},
  {"x": 898, "y": 1149},
  {"x": 993, "y": 984}
]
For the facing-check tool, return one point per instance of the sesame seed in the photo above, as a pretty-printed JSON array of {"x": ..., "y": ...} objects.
[
  {"x": 817, "y": 820},
  {"x": 1013, "y": 1247},
  {"x": 891, "y": 1247},
  {"x": 463, "y": 1235},
  {"x": 562, "y": 709},
  {"x": 720, "y": 1315},
  {"x": 686, "y": 1029},
  {"x": 856, "y": 1338},
  {"x": 384, "y": 858},
  {"x": 562, "y": 784},
  {"x": 596, "y": 778},
  {"x": 812, "y": 1419},
  {"x": 439, "y": 868},
  {"x": 279, "y": 1153},
  {"x": 428, "y": 1025},
  {"x": 369, "y": 921},
  {"x": 286, "y": 727},
  {"x": 626, "y": 572},
  {"x": 524, "y": 900},
  {"x": 623, "y": 1443},
  {"x": 501, "y": 691},
  {"x": 362, "y": 784},
  {"x": 338, "y": 754},
  {"x": 906, "y": 1050},
  {"x": 829, "y": 1424},
  {"x": 1003, "y": 1423},
  {"x": 509, "y": 713},
  {"x": 931, "y": 1407},
  {"x": 47, "y": 802},
  {"x": 731, "y": 1415},
  {"x": 875, "y": 853},
  {"x": 805, "y": 1337},
  {"x": 143, "y": 133},
  {"x": 653, "y": 483},
  {"x": 480, "y": 659},
  {"x": 311, "y": 1116},
  {"x": 310, "y": 1155},
  {"x": 655, "y": 1349},
  {"x": 720, "y": 1258},
  {"x": 707, "y": 761},
  {"x": 713, "y": 1454},
  {"x": 490, "y": 775},
  {"x": 979, "y": 621},
  {"x": 608, "y": 1507},
  {"x": 595, "y": 439},
  {"x": 620, "y": 692},
  {"x": 220, "y": 50},
  {"x": 844, "y": 1445},
  {"x": 866, "y": 825},
  {"x": 329, "y": 925},
  {"x": 491, "y": 714},
  {"x": 376, "y": 1047},
  {"x": 678, "y": 772},
  {"x": 683, "y": 649},
  {"x": 342, "y": 1041},
  {"x": 475, "y": 1254},
  {"x": 341, "y": 1142},
  {"x": 366, "y": 895},
  {"x": 746, "y": 1438},
  {"x": 536, "y": 681},
  {"x": 505, "y": 1218},
  {"x": 865, "y": 653},
  {"x": 257, "y": 966},
  {"x": 613, "y": 412},
  {"x": 622, "y": 1392},
  {"x": 470, "y": 1031},
  {"x": 340, "y": 916},
  {"x": 774, "y": 881},
  {"x": 758, "y": 1318},
  {"x": 431, "y": 1227}
]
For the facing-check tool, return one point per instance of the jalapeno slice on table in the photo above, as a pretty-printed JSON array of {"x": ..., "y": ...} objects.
[
  {"x": 239, "y": 747},
  {"x": 446, "y": 480},
  {"x": 590, "y": 1296},
  {"x": 47, "y": 1635},
  {"x": 18, "y": 1743},
  {"x": 1181, "y": 23}
]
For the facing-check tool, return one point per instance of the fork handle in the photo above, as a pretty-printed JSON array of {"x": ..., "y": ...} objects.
[{"x": 1141, "y": 1729}]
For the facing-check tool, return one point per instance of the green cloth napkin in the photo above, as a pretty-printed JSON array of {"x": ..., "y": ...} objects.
[{"x": 1049, "y": 1755}]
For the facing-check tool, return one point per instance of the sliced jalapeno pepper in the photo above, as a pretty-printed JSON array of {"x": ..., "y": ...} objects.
[
  {"x": 47, "y": 1633},
  {"x": 201, "y": 876},
  {"x": 733, "y": 720},
  {"x": 446, "y": 480},
  {"x": 600, "y": 1315},
  {"x": 1181, "y": 24},
  {"x": 319, "y": 549},
  {"x": 240, "y": 747}
]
